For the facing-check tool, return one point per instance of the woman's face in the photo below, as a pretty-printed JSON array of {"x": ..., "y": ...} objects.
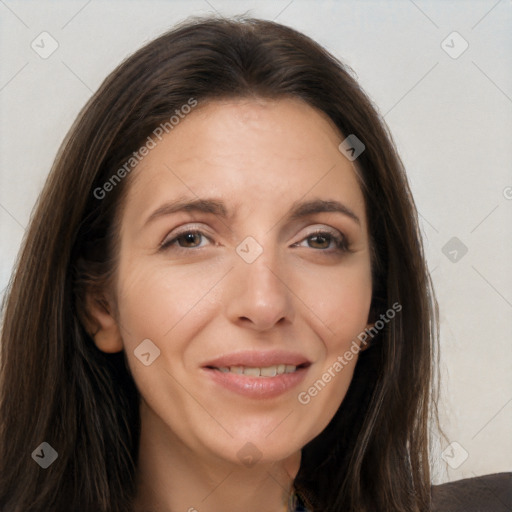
[{"x": 239, "y": 287}]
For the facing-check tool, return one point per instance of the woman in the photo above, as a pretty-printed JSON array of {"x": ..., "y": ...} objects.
[{"x": 222, "y": 301}]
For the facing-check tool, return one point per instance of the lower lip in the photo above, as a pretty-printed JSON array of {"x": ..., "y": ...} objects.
[{"x": 257, "y": 387}]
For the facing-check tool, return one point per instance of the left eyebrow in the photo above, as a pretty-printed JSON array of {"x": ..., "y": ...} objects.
[
  {"x": 301, "y": 210},
  {"x": 218, "y": 208}
]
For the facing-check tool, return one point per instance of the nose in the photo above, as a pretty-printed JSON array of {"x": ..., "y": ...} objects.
[{"x": 257, "y": 294}]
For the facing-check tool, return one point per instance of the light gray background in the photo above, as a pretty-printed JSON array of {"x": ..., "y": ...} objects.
[{"x": 451, "y": 119}]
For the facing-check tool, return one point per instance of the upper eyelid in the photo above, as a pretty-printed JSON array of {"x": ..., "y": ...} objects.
[
  {"x": 185, "y": 228},
  {"x": 191, "y": 227}
]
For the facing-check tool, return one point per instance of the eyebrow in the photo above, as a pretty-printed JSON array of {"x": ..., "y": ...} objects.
[{"x": 216, "y": 207}]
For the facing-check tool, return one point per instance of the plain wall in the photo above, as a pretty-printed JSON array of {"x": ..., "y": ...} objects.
[{"x": 450, "y": 116}]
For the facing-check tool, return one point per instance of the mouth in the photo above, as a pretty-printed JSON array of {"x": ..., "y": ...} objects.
[
  {"x": 265, "y": 371},
  {"x": 258, "y": 375}
]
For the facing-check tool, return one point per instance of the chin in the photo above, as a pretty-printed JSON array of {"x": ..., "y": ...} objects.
[{"x": 260, "y": 448}]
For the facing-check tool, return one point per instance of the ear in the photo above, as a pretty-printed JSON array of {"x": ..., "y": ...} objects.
[{"x": 101, "y": 324}]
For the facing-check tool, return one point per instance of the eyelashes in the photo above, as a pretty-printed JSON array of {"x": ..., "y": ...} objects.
[{"x": 336, "y": 243}]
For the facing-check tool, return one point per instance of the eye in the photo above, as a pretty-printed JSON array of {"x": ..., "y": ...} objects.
[
  {"x": 189, "y": 239},
  {"x": 326, "y": 241},
  {"x": 322, "y": 239}
]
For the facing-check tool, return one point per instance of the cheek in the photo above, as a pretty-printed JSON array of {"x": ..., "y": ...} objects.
[
  {"x": 341, "y": 299},
  {"x": 158, "y": 302},
  {"x": 168, "y": 305},
  {"x": 154, "y": 299}
]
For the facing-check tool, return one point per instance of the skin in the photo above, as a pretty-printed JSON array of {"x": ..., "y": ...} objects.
[{"x": 201, "y": 300}]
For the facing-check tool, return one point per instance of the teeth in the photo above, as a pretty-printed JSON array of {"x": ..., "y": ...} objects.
[
  {"x": 252, "y": 372},
  {"x": 271, "y": 371},
  {"x": 268, "y": 371}
]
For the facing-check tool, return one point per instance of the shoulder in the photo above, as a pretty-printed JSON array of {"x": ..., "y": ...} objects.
[{"x": 488, "y": 493}]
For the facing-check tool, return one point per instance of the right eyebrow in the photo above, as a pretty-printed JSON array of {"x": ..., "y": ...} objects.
[{"x": 212, "y": 206}]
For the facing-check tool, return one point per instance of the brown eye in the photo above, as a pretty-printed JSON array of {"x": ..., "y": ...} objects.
[
  {"x": 190, "y": 239},
  {"x": 327, "y": 241},
  {"x": 323, "y": 240}
]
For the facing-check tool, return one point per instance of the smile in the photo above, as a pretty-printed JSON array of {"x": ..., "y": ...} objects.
[
  {"x": 256, "y": 374},
  {"x": 267, "y": 371}
]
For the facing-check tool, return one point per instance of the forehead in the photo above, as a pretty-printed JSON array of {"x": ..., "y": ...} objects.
[{"x": 257, "y": 151}]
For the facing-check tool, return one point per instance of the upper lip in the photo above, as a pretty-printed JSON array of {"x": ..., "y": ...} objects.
[{"x": 258, "y": 359}]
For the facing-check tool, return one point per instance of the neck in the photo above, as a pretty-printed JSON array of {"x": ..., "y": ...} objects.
[{"x": 171, "y": 477}]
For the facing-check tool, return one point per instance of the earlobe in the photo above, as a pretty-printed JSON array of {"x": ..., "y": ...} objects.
[
  {"x": 366, "y": 343},
  {"x": 102, "y": 326},
  {"x": 109, "y": 341}
]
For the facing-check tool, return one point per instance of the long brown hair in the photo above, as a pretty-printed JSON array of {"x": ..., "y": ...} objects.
[{"x": 57, "y": 387}]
